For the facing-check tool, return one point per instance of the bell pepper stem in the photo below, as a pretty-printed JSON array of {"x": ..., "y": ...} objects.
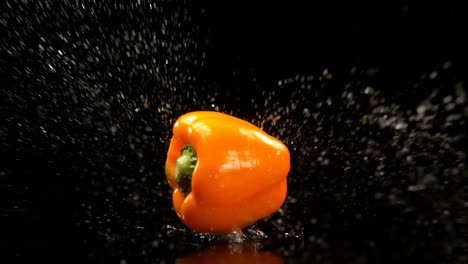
[{"x": 184, "y": 167}]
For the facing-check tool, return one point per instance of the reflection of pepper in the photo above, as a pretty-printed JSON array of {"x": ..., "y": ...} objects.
[
  {"x": 226, "y": 173},
  {"x": 227, "y": 254}
]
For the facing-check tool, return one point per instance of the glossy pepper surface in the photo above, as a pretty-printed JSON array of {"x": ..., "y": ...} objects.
[{"x": 226, "y": 173}]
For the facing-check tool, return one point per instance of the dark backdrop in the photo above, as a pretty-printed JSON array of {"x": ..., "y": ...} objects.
[{"x": 91, "y": 89}]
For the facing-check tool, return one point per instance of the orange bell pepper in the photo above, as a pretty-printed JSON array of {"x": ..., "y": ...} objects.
[{"x": 226, "y": 173}]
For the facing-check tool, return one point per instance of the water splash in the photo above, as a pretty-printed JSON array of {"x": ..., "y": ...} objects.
[{"x": 92, "y": 89}]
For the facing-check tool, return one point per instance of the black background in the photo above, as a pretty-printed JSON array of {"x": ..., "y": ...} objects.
[
  {"x": 247, "y": 47},
  {"x": 277, "y": 40}
]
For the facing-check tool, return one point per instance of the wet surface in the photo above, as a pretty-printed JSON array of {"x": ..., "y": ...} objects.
[{"x": 372, "y": 108}]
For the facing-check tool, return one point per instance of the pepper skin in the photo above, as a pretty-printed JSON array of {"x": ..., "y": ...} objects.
[{"x": 226, "y": 173}]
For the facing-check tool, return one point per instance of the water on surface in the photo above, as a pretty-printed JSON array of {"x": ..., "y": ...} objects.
[{"x": 91, "y": 90}]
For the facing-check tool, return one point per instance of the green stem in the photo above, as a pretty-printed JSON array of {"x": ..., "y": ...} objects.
[{"x": 184, "y": 167}]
